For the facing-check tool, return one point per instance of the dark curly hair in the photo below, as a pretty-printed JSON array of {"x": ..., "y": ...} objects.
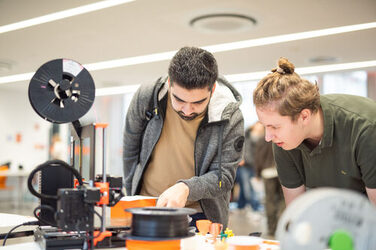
[{"x": 193, "y": 68}]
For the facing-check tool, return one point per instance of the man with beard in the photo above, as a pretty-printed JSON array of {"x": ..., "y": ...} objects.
[{"x": 183, "y": 137}]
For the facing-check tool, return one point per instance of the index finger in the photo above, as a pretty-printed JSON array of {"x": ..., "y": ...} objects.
[{"x": 161, "y": 202}]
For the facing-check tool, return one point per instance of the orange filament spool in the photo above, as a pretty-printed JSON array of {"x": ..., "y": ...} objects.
[
  {"x": 152, "y": 245},
  {"x": 118, "y": 211}
]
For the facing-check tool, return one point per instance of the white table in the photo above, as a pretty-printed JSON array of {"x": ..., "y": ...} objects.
[
  {"x": 8, "y": 221},
  {"x": 11, "y": 220},
  {"x": 193, "y": 243},
  {"x": 21, "y": 186}
]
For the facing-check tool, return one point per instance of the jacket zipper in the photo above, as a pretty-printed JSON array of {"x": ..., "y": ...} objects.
[{"x": 200, "y": 128}]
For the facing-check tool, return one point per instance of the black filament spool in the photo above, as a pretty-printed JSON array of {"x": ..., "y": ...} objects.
[
  {"x": 155, "y": 223},
  {"x": 61, "y": 91}
]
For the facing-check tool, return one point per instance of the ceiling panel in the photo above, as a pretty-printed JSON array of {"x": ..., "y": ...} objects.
[{"x": 143, "y": 27}]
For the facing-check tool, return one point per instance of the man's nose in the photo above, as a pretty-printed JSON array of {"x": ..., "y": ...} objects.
[
  {"x": 187, "y": 109},
  {"x": 268, "y": 135}
]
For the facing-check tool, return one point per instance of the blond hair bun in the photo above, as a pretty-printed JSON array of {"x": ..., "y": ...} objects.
[{"x": 284, "y": 66}]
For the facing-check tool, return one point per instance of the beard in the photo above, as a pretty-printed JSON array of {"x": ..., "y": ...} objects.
[
  {"x": 193, "y": 115},
  {"x": 187, "y": 118}
]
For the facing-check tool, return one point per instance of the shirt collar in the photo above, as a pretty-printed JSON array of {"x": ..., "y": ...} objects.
[{"x": 327, "y": 139}]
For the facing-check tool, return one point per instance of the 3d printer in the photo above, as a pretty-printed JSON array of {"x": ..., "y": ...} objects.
[{"x": 62, "y": 91}]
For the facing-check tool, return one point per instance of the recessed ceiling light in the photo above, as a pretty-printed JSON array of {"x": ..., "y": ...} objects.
[{"x": 223, "y": 22}]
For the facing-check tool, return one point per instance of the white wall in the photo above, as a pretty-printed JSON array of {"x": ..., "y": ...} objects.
[
  {"x": 111, "y": 110},
  {"x": 18, "y": 117}
]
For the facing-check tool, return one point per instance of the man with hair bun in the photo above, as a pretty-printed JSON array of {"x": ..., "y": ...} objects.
[
  {"x": 183, "y": 137},
  {"x": 318, "y": 141}
]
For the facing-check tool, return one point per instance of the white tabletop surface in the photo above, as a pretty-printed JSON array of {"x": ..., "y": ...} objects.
[
  {"x": 8, "y": 221},
  {"x": 193, "y": 243},
  {"x": 27, "y": 245},
  {"x": 11, "y": 220}
]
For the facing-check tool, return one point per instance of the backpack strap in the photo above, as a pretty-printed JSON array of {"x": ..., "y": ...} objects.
[{"x": 153, "y": 109}]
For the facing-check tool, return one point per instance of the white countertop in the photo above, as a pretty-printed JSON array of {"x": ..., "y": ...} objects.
[{"x": 11, "y": 220}]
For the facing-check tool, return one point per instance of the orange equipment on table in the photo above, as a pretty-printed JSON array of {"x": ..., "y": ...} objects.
[
  {"x": 118, "y": 211},
  {"x": 3, "y": 178},
  {"x": 153, "y": 245}
]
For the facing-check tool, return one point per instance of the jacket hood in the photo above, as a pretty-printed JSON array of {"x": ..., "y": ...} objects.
[{"x": 223, "y": 102}]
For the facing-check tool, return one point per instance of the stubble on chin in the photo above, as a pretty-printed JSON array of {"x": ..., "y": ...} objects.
[{"x": 187, "y": 118}]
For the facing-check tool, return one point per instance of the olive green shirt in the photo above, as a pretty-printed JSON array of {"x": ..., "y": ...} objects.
[{"x": 346, "y": 154}]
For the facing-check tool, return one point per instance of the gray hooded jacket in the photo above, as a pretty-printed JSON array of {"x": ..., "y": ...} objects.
[{"x": 218, "y": 145}]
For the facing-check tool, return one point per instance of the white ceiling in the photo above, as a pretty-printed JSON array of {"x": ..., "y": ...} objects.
[{"x": 144, "y": 27}]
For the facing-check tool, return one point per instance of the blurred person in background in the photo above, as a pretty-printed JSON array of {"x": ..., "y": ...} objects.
[
  {"x": 265, "y": 167},
  {"x": 247, "y": 194}
]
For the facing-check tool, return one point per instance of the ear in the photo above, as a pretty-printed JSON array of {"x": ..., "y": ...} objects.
[
  {"x": 305, "y": 115},
  {"x": 168, "y": 81},
  {"x": 215, "y": 85}
]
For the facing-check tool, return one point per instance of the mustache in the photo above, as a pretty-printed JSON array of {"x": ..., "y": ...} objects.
[{"x": 187, "y": 118}]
